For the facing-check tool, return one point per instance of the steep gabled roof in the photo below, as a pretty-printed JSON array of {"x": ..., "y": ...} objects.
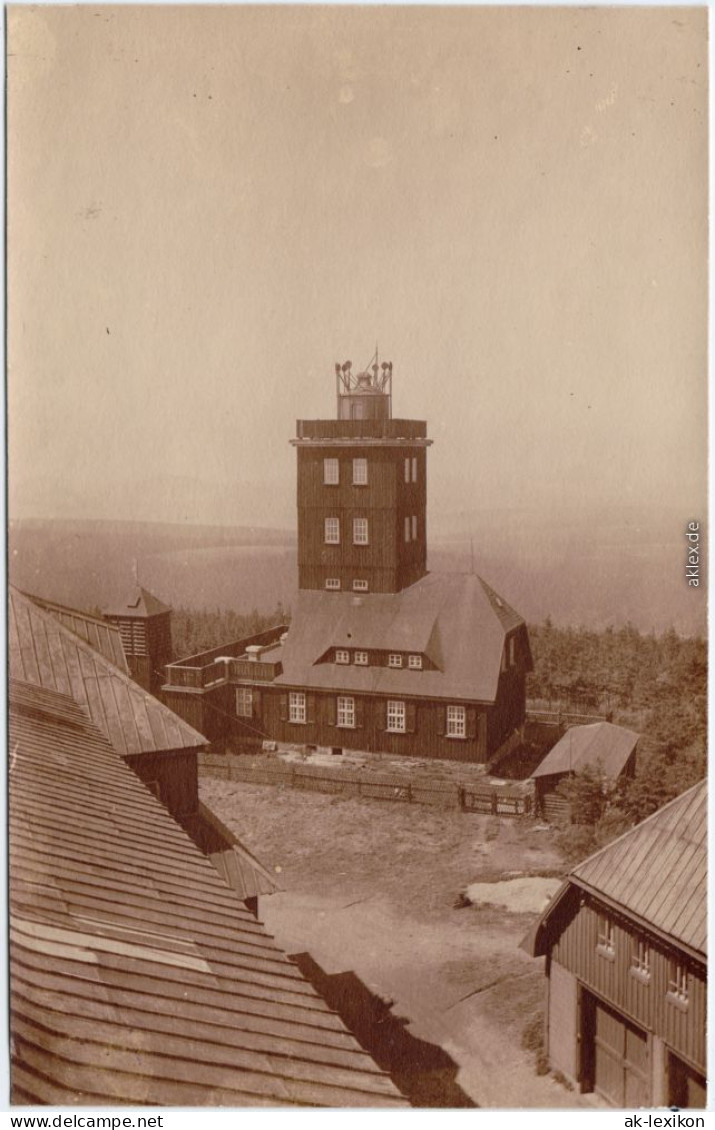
[
  {"x": 138, "y": 602},
  {"x": 137, "y": 976},
  {"x": 656, "y": 873},
  {"x": 455, "y": 619},
  {"x": 47, "y": 654},
  {"x": 100, "y": 635},
  {"x": 598, "y": 745}
]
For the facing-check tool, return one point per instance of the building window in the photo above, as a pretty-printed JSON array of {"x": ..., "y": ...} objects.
[
  {"x": 414, "y": 468},
  {"x": 407, "y": 470},
  {"x": 296, "y": 706},
  {"x": 396, "y": 717},
  {"x": 407, "y": 529},
  {"x": 394, "y": 659},
  {"x": 342, "y": 656},
  {"x": 361, "y": 658},
  {"x": 414, "y": 527},
  {"x": 360, "y": 531},
  {"x": 606, "y": 937},
  {"x": 415, "y": 662},
  {"x": 456, "y": 722},
  {"x": 677, "y": 981},
  {"x": 332, "y": 531},
  {"x": 346, "y": 712},
  {"x": 360, "y": 472},
  {"x": 360, "y": 586},
  {"x": 331, "y": 472},
  {"x": 332, "y": 583},
  {"x": 244, "y": 702},
  {"x": 640, "y": 959}
]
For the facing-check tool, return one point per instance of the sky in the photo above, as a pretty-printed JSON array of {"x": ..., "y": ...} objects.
[{"x": 209, "y": 207}]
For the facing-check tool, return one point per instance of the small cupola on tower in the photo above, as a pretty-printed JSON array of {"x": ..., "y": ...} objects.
[
  {"x": 145, "y": 628},
  {"x": 362, "y": 490}
]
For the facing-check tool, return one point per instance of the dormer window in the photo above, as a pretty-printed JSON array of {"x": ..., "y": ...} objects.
[
  {"x": 415, "y": 662},
  {"x": 360, "y": 586},
  {"x": 331, "y": 472},
  {"x": 342, "y": 656},
  {"x": 394, "y": 659},
  {"x": 332, "y": 583},
  {"x": 361, "y": 659}
]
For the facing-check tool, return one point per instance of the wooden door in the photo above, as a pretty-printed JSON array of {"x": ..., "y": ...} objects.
[{"x": 619, "y": 1058}]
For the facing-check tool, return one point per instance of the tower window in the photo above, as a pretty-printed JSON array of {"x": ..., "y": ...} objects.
[
  {"x": 360, "y": 531},
  {"x": 360, "y": 472},
  {"x": 332, "y": 531},
  {"x": 456, "y": 722},
  {"x": 332, "y": 582},
  {"x": 396, "y": 717},
  {"x": 414, "y": 469},
  {"x": 414, "y": 527},
  {"x": 415, "y": 662},
  {"x": 244, "y": 702},
  {"x": 407, "y": 529},
  {"x": 346, "y": 712},
  {"x": 394, "y": 659},
  {"x": 407, "y": 470},
  {"x": 361, "y": 659},
  {"x": 331, "y": 472},
  {"x": 342, "y": 656},
  {"x": 360, "y": 586},
  {"x": 296, "y": 706}
]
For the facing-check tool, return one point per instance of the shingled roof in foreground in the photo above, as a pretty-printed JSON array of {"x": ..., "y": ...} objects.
[{"x": 137, "y": 977}]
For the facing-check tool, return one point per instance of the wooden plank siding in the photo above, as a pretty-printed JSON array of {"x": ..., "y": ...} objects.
[{"x": 612, "y": 977}]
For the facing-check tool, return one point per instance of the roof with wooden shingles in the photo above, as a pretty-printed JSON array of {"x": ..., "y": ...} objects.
[
  {"x": 656, "y": 873},
  {"x": 99, "y": 634},
  {"x": 599, "y": 745},
  {"x": 137, "y": 976},
  {"x": 46, "y": 653}
]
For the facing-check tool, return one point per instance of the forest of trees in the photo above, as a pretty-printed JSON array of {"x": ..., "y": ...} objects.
[{"x": 193, "y": 630}]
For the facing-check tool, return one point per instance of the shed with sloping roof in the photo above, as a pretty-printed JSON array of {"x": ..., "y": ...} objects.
[
  {"x": 625, "y": 941},
  {"x": 606, "y": 749}
]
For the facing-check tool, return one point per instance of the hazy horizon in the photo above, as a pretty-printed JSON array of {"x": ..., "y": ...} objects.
[{"x": 208, "y": 207}]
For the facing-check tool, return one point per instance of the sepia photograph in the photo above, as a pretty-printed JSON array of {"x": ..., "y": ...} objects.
[{"x": 357, "y": 497}]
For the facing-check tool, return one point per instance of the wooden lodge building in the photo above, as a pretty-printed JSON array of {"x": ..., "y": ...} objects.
[
  {"x": 380, "y": 655},
  {"x": 625, "y": 942}
]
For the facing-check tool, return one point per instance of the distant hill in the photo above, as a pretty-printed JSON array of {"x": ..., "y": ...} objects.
[{"x": 624, "y": 567}]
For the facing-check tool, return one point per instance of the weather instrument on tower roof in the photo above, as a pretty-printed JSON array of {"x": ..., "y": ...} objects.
[{"x": 366, "y": 395}]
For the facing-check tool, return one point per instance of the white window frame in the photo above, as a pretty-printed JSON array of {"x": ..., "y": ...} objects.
[
  {"x": 332, "y": 531},
  {"x": 331, "y": 472},
  {"x": 396, "y": 717},
  {"x": 407, "y": 528},
  {"x": 345, "y": 712},
  {"x": 297, "y": 707},
  {"x": 414, "y": 468},
  {"x": 394, "y": 659},
  {"x": 342, "y": 656},
  {"x": 361, "y": 659},
  {"x": 678, "y": 988},
  {"x": 606, "y": 943},
  {"x": 332, "y": 583},
  {"x": 407, "y": 469},
  {"x": 244, "y": 695},
  {"x": 456, "y": 722},
  {"x": 640, "y": 959},
  {"x": 414, "y": 527},
  {"x": 360, "y": 472},
  {"x": 361, "y": 531},
  {"x": 360, "y": 586},
  {"x": 415, "y": 662}
]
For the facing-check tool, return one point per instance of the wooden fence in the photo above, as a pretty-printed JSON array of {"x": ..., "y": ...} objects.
[{"x": 484, "y": 798}]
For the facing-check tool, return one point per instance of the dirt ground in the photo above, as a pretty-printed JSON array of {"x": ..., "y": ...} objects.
[{"x": 438, "y": 991}]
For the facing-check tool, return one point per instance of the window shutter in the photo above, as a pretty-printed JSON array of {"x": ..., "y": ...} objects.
[
  {"x": 381, "y": 715},
  {"x": 310, "y": 708},
  {"x": 256, "y": 704},
  {"x": 441, "y": 720},
  {"x": 332, "y": 707},
  {"x": 283, "y": 707},
  {"x": 410, "y": 717},
  {"x": 471, "y": 722},
  {"x": 359, "y": 713}
]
